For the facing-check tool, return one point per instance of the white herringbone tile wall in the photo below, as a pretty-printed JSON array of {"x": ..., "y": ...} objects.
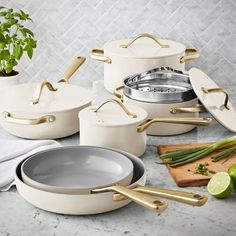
[{"x": 68, "y": 28}]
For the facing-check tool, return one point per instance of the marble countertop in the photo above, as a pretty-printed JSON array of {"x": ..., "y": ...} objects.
[{"x": 217, "y": 217}]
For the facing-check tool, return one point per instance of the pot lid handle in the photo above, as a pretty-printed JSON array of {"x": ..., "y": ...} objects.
[
  {"x": 78, "y": 61},
  {"x": 218, "y": 90},
  {"x": 39, "y": 89},
  {"x": 147, "y": 35},
  {"x": 118, "y": 103}
]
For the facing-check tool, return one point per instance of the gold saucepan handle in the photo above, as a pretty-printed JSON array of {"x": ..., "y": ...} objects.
[
  {"x": 142, "y": 35},
  {"x": 196, "y": 109},
  {"x": 191, "y": 54},
  {"x": 25, "y": 121},
  {"x": 177, "y": 120},
  {"x": 140, "y": 198},
  {"x": 98, "y": 55},
  {"x": 39, "y": 89},
  {"x": 124, "y": 108},
  {"x": 174, "y": 195},
  {"x": 78, "y": 61},
  {"x": 218, "y": 90},
  {"x": 118, "y": 94}
]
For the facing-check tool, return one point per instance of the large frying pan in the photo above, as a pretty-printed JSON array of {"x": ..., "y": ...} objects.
[{"x": 100, "y": 200}]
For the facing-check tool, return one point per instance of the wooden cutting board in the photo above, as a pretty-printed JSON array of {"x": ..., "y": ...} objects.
[{"x": 183, "y": 177}]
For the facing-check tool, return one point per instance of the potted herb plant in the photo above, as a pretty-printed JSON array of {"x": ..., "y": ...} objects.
[{"x": 15, "y": 40}]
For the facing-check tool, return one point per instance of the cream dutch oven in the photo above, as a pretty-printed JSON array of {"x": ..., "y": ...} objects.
[
  {"x": 144, "y": 52},
  {"x": 122, "y": 127}
]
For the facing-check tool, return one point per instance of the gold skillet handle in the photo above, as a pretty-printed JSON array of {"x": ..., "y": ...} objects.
[
  {"x": 140, "y": 198},
  {"x": 218, "y": 90},
  {"x": 119, "y": 94},
  {"x": 25, "y": 121},
  {"x": 142, "y": 35},
  {"x": 118, "y": 103},
  {"x": 72, "y": 69},
  {"x": 174, "y": 195},
  {"x": 191, "y": 54},
  {"x": 39, "y": 89},
  {"x": 98, "y": 55},
  {"x": 196, "y": 109},
  {"x": 177, "y": 120}
]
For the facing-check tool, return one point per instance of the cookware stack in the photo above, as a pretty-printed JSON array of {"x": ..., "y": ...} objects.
[{"x": 152, "y": 94}]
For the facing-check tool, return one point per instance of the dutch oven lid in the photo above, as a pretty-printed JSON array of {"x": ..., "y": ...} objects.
[
  {"x": 45, "y": 97},
  {"x": 214, "y": 98},
  {"x": 144, "y": 46},
  {"x": 113, "y": 113}
]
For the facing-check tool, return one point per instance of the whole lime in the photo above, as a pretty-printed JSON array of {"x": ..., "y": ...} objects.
[{"x": 232, "y": 172}]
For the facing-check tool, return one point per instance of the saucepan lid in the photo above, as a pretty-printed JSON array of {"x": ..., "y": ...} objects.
[
  {"x": 113, "y": 113},
  {"x": 159, "y": 85},
  {"x": 214, "y": 98}
]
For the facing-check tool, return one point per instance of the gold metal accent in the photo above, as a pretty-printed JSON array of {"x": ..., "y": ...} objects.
[
  {"x": 197, "y": 108},
  {"x": 174, "y": 195},
  {"x": 78, "y": 61},
  {"x": 218, "y": 90},
  {"x": 118, "y": 94},
  {"x": 98, "y": 54},
  {"x": 191, "y": 53},
  {"x": 140, "y": 198},
  {"x": 144, "y": 35},
  {"x": 25, "y": 121},
  {"x": 177, "y": 120},
  {"x": 120, "y": 104},
  {"x": 39, "y": 89}
]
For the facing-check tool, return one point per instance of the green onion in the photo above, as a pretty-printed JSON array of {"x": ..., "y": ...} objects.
[{"x": 181, "y": 157}]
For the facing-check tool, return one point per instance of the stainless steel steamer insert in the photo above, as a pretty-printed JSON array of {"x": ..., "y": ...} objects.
[{"x": 160, "y": 85}]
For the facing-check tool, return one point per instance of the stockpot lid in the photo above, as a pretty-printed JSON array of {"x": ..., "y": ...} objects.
[
  {"x": 65, "y": 96},
  {"x": 113, "y": 113},
  {"x": 162, "y": 85},
  {"x": 144, "y": 46},
  {"x": 214, "y": 98}
]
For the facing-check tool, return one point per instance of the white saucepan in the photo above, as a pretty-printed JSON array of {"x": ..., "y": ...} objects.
[
  {"x": 103, "y": 200},
  {"x": 44, "y": 110},
  {"x": 130, "y": 56},
  {"x": 122, "y": 127},
  {"x": 162, "y": 92}
]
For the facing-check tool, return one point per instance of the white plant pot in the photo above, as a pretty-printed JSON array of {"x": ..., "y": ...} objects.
[{"x": 6, "y": 81}]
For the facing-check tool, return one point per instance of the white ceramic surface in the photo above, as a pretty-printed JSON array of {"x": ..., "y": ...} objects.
[
  {"x": 163, "y": 110},
  {"x": 64, "y": 104},
  {"x": 76, "y": 170},
  {"x": 213, "y": 102},
  {"x": 78, "y": 204},
  {"x": 144, "y": 54}
]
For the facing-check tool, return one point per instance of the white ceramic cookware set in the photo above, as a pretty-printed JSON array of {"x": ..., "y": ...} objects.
[{"x": 152, "y": 93}]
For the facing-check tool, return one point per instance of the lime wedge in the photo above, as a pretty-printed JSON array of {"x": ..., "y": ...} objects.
[
  {"x": 232, "y": 172},
  {"x": 220, "y": 185}
]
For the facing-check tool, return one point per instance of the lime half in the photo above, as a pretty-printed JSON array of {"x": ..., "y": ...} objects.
[
  {"x": 232, "y": 172},
  {"x": 220, "y": 185}
]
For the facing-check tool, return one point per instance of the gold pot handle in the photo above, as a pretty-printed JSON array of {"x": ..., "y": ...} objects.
[
  {"x": 98, "y": 54},
  {"x": 78, "y": 61},
  {"x": 119, "y": 94},
  {"x": 39, "y": 89},
  {"x": 174, "y": 195},
  {"x": 142, "y": 35},
  {"x": 140, "y": 198},
  {"x": 196, "y": 109},
  {"x": 218, "y": 90},
  {"x": 191, "y": 53},
  {"x": 177, "y": 120},
  {"x": 24, "y": 121},
  {"x": 118, "y": 103}
]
